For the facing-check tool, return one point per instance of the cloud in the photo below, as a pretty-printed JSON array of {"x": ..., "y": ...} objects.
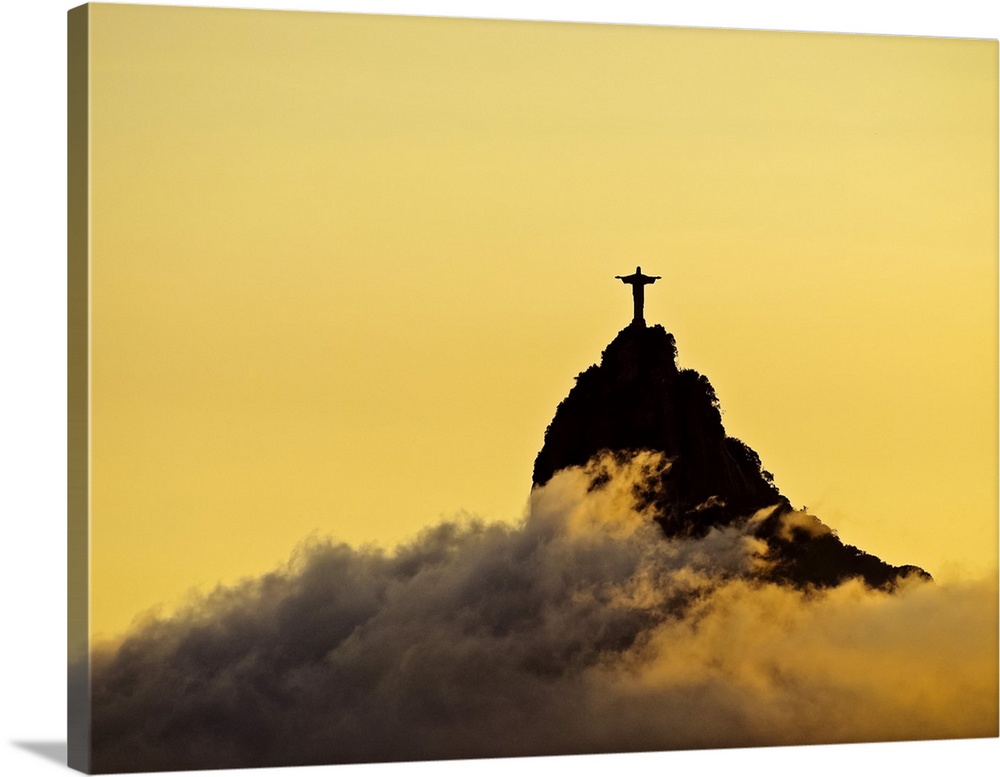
[{"x": 578, "y": 630}]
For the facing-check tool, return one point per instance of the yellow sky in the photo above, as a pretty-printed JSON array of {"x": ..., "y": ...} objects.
[{"x": 345, "y": 267}]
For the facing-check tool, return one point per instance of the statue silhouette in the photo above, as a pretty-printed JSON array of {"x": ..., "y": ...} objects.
[{"x": 638, "y": 281}]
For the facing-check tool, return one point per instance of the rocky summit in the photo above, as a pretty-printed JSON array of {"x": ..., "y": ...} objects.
[{"x": 637, "y": 400}]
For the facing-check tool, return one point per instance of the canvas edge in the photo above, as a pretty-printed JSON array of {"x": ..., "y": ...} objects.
[{"x": 78, "y": 390}]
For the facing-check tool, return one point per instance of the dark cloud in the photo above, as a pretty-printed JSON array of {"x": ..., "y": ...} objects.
[{"x": 578, "y": 630}]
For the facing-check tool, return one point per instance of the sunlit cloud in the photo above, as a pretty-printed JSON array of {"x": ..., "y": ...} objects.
[{"x": 579, "y": 629}]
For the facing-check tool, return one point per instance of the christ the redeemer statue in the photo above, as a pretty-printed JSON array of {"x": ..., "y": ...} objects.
[{"x": 637, "y": 280}]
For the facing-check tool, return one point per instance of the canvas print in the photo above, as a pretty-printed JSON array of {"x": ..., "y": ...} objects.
[{"x": 451, "y": 388}]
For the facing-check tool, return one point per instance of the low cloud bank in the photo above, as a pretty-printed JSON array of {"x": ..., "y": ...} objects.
[{"x": 579, "y": 630}]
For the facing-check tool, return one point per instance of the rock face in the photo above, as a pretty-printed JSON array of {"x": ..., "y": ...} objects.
[{"x": 637, "y": 400}]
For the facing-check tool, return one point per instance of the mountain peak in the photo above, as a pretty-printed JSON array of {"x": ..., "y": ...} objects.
[{"x": 636, "y": 399}]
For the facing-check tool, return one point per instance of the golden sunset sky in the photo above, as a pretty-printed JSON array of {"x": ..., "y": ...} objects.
[{"x": 344, "y": 268}]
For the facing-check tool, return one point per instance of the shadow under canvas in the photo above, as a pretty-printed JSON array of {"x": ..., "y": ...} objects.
[{"x": 51, "y": 751}]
